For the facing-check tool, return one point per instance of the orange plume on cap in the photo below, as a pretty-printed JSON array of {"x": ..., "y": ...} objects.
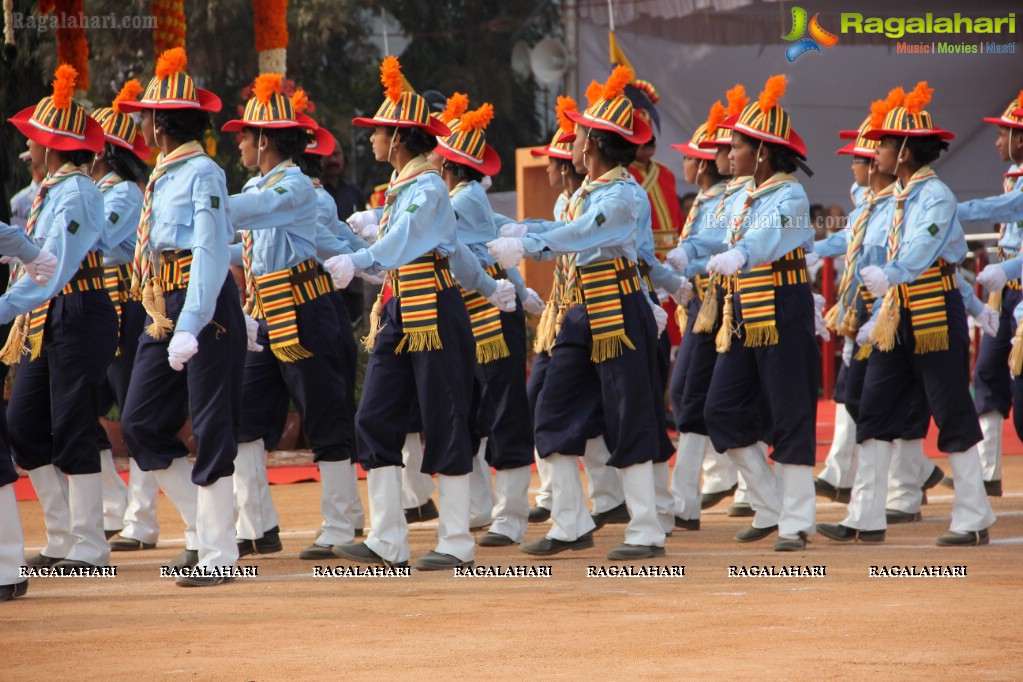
[
  {"x": 171, "y": 62},
  {"x": 566, "y": 104},
  {"x": 390, "y": 76},
  {"x": 593, "y": 93},
  {"x": 64, "y": 86},
  {"x": 456, "y": 106},
  {"x": 918, "y": 99},
  {"x": 616, "y": 82},
  {"x": 1019, "y": 99},
  {"x": 715, "y": 116},
  {"x": 266, "y": 86},
  {"x": 478, "y": 119},
  {"x": 880, "y": 108},
  {"x": 773, "y": 91},
  {"x": 128, "y": 93},
  {"x": 300, "y": 101},
  {"x": 737, "y": 100}
]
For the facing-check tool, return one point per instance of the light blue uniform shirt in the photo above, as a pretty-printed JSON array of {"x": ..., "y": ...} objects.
[
  {"x": 775, "y": 224},
  {"x": 857, "y": 194},
  {"x": 282, "y": 218},
  {"x": 712, "y": 238},
  {"x": 930, "y": 230},
  {"x": 1000, "y": 208},
  {"x": 704, "y": 224},
  {"x": 606, "y": 229},
  {"x": 423, "y": 221},
  {"x": 661, "y": 276},
  {"x": 14, "y": 242},
  {"x": 70, "y": 225},
  {"x": 333, "y": 236},
  {"x": 477, "y": 225},
  {"x": 122, "y": 207},
  {"x": 190, "y": 213}
]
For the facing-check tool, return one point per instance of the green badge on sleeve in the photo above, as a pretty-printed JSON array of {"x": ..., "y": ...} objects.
[
  {"x": 114, "y": 218},
  {"x": 600, "y": 219},
  {"x": 280, "y": 190},
  {"x": 412, "y": 208},
  {"x": 933, "y": 229},
  {"x": 215, "y": 202},
  {"x": 72, "y": 227}
]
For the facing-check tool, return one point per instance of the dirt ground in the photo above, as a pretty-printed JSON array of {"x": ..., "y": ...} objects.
[{"x": 285, "y": 624}]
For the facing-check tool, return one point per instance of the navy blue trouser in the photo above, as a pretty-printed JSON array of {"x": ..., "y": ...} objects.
[
  {"x": 786, "y": 374},
  {"x": 628, "y": 389},
  {"x": 114, "y": 390},
  {"x": 208, "y": 389},
  {"x": 992, "y": 385},
  {"x": 316, "y": 384},
  {"x": 54, "y": 404},
  {"x": 690, "y": 378},
  {"x": 893, "y": 377},
  {"x": 918, "y": 416},
  {"x": 504, "y": 414},
  {"x": 441, "y": 381},
  {"x": 7, "y": 472},
  {"x": 587, "y": 418}
]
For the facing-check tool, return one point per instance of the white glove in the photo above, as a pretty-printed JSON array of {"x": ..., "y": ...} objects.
[
  {"x": 847, "y": 349},
  {"x": 372, "y": 279},
  {"x": 42, "y": 268},
  {"x": 507, "y": 250},
  {"x": 361, "y": 219},
  {"x": 341, "y": 269},
  {"x": 875, "y": 280},
  {"x": 863, "y": 335},
  {"x": 812, "y": 259},
  {"x": 820, "y": 327},
  {"x": 819, "y": 302},
  {"x": 503, "y": 297},
  {"x": 180, "y": 350},
  {"x": 514, "y": 230},
  {"x": 987, "y": 320},
  {"x": 727, "y": 263},
  {"x": 251, "y": 329},
  {"x": 533, "y": 303},
  {"x": 992, "y": 278},
  {"x": 684, "y": 293},
  {"x": 7, "y": 260},
  {"x": 678, "y": 259},
  {"x": 369, "y": 233},
  {"x": 660, "y": 317}
]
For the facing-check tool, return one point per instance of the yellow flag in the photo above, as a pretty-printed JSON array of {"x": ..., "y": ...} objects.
[{"x": 617, "y": 56}]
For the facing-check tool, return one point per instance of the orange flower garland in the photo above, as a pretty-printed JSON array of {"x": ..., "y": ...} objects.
[
  {"x": 271, "y": 24},
  {"x": 171, "y": 25},
  {"x": 72, "y": 47}
]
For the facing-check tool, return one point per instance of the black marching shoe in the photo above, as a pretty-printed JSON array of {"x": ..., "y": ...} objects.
[
  {"x": 752, "y": 533},
  {"x": 435, "y": 561},
  {"x": 619, "y": 514},
  {"x": 548, "y": 546},
  {"x": 270, "y": 543},
  {"x": 119, "y": 543},
  {"x": 936, "y": 477},
  {"x": 426, "y": 512},
  {"x": 202, "y": 580},
  {"x": 796, "y": 544},
  {"x": 64, "y": 564},
  {"x": 831, "y": 492},
  {"x": 41, "y": 560},
  {"x": 840, "y": 533},
  {"x": 492, "y": 539},
  {"x": 687, "y": 524},
  {"x": 539, "y": 514},
  {"x": 111, "y": 533},
  {"x": 627, "y": 552},
  {"x": 973, "y": 539},
  {"x": 315, "y": 551},
  {"x": 360, "y": 551},
  {"x": 896, "y": 516},
  {"x": 188, "y": 558},
  {"x": 740, "y": 509},
  {"x": 9, "y": 592},
  {"x": 708, "y": 500}
]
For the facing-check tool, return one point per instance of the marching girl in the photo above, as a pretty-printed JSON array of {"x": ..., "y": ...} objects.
[
  {"x": 992, "y": 389},
  {"x": 766, "y": 341},
  {"x": 694, "y": 363},
  {"x": 68, "y": 330},
  {"x": 918, "y": 332},
  {"x": 40, "y": 266},
  {"x": 503, "y": 410},
  {"x": 613, "y": 334},
  {"x": 118, "y": 171},
  {"x": 421, "y": 339},
  {"x": 341, "y": 505},
  {"x": 190, "y": 360}
]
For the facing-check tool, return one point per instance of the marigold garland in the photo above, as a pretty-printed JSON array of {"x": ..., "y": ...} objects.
[
  {"x": 171, "y": 24},
  {"x": 271, "y": 24},
  {"x": 72, "y": 46}
]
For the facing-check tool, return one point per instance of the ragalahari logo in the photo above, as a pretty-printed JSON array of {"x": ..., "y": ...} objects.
[{"x": 818, "y": 36}]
